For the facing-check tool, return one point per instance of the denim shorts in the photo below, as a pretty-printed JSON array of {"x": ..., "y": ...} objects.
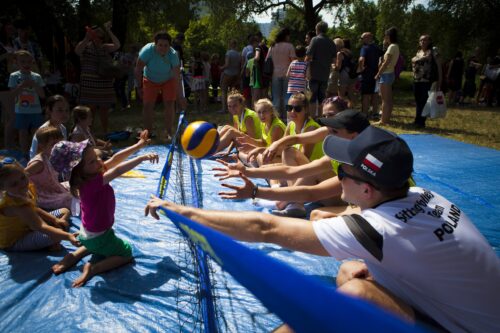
[
  {"x": 28, "y": 121},
  {"x": 387, "y": 78}
]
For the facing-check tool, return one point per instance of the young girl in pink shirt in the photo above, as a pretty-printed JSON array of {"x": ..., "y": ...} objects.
[{"x": 90, "y": 178}]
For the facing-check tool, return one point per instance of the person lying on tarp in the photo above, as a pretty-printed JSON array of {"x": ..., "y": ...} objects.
[{"x": 423, "y": 259}]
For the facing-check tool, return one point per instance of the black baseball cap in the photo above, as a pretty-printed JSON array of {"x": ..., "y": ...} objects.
[
  {"x": 383, "y": 158},
  {"x": 351, "y": 120}
]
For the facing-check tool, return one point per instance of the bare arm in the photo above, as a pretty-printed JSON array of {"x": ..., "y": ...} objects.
[
  {"x": 115, "y": 43},
  {"x": 124, "y": 153},
  {"x": 123, "y": 167},
  {"x": 82, "y": 44},
  {"x": 35, "y": 223},
  {"x": 294, "y": 234},
  {"x": 251, "y": 130},
  {"x": 139, "y": 68},
  {"x": 304, "y": 193},
  {"x": 384, "y": 65},
  {"x": 34, "y": 168}
]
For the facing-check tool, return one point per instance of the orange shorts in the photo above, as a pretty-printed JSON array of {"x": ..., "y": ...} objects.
[{"x": 150, "y": 90}]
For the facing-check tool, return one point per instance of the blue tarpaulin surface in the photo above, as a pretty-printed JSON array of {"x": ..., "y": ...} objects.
[{"x": 153, "y": 294}]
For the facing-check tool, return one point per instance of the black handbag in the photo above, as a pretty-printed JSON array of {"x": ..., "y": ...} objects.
[{"x": 268, "y": 66}]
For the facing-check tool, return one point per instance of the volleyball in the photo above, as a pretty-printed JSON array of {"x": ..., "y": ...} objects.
[{"x": 200, "y": 139}]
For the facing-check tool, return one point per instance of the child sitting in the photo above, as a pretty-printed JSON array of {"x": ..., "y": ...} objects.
[
  {"x": 27, "y": 88},
  {"x": 82, "y": 116},
  {"x": 90, "y": 178},
  {"x": 23, "y": 226},
  {"x": 51, "y": 193},
  {"x": 57, "y": 111}
]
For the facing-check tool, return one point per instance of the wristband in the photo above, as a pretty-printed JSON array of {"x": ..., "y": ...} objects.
[{"x": 254, "y": 191}]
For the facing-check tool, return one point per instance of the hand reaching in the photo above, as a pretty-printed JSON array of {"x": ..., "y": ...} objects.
[
  {"x": 254, "y": 153},
  {"x": 152, "y": 157},
  {"x": 229, "y": 170},
  {"x": 144, "y": 139},
  {"x": 72, "y": 238},
  {"x": 152, "y": 206},
  {"x": 270, "y": 152},
  {"x": 240, "y": 192}
]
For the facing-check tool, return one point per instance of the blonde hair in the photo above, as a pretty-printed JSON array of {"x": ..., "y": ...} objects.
[
  {"x": 45, "y": 134},
  {"x": 23, "y": 53},
  {"x": 268, "y": 105},
  {"x": 9, "y": 169},
  {"x": 339, "y": 43},
  {"x": 234, "y": 94}
]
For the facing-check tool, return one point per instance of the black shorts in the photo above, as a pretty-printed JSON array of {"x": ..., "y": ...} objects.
[
  {"x": 318, "y": 90},
  {"x": 367, "y": 86}
]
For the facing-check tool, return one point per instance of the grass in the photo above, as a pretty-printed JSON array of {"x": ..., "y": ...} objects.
[{"x": 471, "y": 124}]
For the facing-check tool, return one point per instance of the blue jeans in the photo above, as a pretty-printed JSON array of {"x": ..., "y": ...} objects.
[{"x": 279, "y": 87}]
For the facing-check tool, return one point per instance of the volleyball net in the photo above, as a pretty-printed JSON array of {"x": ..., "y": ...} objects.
[{"x": 239, "y": 288}]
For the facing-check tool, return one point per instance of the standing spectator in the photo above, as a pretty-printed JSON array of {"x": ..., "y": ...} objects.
[
  {"x": 27, "y": 89},
  {"x": 343, "y": 66},
  {"x": 368, "y": 66},
  {"x": 320, "y": 55},
  {"x": 198, "y": 82},
  {"x": 297, "y": 73},
  {"x": 386, "y": 74},
  {"x": 7, "y": 65},
  {"x": 282, "y": 52},
  {"x": 260, "y": 57},
  {"x": 96, "y": 91},
  {"x": 126, "y": 61},
  {"x": 473, "y": 66},
  {"x": 426, "y": 70},
  {"x": 24, "y": 42},
  {"x": 454, "y": 77},
  {"x": 230, "y": 73},
  {"x": 215, "y": 74},
  {"x": 247, "y": 54},
  {"x": 158, "y": 71},
  {"x": 309, "y": 36},
  {"x": 177, "y": 46}
]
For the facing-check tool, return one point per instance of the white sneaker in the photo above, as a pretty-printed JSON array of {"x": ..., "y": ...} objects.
[{"x": 269, "y": 204}]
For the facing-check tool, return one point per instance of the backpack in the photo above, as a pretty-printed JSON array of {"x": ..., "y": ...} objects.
[
  {"x": 400, "y": 65},
  {"x": 353, "y": 70}
]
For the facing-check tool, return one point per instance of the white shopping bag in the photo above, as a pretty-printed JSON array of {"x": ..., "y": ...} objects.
[{"x": 435, "y": 107}]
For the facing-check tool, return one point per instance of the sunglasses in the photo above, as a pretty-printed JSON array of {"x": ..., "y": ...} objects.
[
  {"x": 342, "y": 174},
  {"x": 296, "y": 108},
  {"x": 7, "y": 161}
]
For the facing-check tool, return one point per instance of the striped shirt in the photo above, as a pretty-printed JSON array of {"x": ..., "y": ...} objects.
[{"x": 297, "y": 77}]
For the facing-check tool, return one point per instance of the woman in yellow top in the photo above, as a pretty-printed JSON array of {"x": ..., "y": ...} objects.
[
  {"x": 299, "y": 121},
  {"x": 245, "y": 121},
  {"x": 23, "y": 226},
  {"x": 272, "y": 128}
]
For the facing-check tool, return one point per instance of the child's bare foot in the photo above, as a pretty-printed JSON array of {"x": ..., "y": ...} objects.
[
  {"x": 69, "y": 260},
  {"x": 86, "y": 275}
]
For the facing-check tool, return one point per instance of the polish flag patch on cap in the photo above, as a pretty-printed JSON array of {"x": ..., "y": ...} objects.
[{"x": 372, "y": 162}]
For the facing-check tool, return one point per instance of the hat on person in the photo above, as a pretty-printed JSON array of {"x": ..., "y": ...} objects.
[
  {"x": 66, "y": 155},
  {"x": 383, "y": 158},
  {"x": 351, "y": 120}
]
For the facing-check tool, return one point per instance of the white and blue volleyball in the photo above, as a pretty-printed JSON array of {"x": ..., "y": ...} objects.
[{"x": 200, "y": 139}]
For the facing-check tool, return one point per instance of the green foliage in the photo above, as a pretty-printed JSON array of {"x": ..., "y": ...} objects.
[{"x": 211, "y": 34}]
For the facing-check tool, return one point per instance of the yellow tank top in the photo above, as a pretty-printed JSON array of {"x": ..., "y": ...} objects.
[
  {"x": 241, "y": 125},
  {"x": 13, "y": 228},
  {"x": 317, "y": 151},
  {"x": 277, "y": 122}
]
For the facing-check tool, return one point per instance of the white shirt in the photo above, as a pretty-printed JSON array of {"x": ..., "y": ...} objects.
[{"x": 429, "y": 254}]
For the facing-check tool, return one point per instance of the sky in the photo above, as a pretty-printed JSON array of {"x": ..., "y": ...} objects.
[{"x": 327, "y": 16}]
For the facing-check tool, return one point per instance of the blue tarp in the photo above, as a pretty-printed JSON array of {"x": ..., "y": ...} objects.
[{"x": 155, "y": 292}]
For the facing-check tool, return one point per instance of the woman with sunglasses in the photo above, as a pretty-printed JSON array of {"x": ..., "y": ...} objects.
[{"x": 245, "y": 122}]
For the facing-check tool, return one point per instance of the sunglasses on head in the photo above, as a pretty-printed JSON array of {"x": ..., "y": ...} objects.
[
  {"x": 296, "y": 108},
  {"x": 7, "y": 161},
  {"x": 342, "y": 174}
]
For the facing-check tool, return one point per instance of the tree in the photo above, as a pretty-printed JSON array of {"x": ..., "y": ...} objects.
[{"x": 244, "y": 8}]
